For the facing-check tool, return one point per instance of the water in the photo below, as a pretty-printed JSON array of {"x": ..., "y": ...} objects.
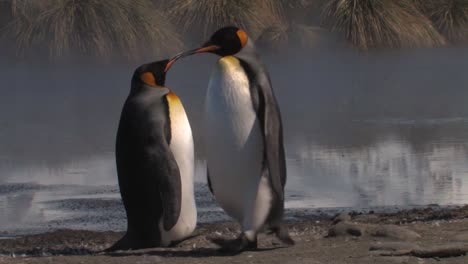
[{"x": 361, "y": 131}]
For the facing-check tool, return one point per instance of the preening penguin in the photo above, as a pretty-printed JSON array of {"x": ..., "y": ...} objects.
[
  {"x": 155, "y": 163},
  {"x": 244, "y": 139}
]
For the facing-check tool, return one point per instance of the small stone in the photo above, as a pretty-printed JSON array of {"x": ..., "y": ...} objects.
[
  {"x": 393, "y": 231},
  {"x": 344, "y": 229},
  {"x": 343, "y": 217},
  {"x": 392, "y": 246}
]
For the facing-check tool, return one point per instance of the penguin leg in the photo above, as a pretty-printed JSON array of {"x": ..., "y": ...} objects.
[
  {"x": 252, "y": 220},
  {"x": 275, "y": 226},
  {"x": 257, "y": 201},
  {"x": 127, "y": 242},
  {"x": 235, "y": 246},
  {"x": 275, "y": 222},
  {"x": 130, "y": 241},
  {"x": 123, "y": 244},
  {"x": 282, "y": 234}
]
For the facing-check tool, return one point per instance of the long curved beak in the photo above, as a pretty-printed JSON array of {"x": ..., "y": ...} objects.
[{"x": 207, "y": 48}]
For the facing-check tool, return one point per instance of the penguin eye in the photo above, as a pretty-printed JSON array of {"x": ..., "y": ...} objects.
[
  {"x": 242, "y": 37},
  {"x": 148, "y": 78}
]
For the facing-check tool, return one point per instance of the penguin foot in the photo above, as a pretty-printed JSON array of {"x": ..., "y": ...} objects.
[
  {"x": 123, "y": 244},
  {"x": 235, "y": 246},
  {"x": 282, "y": 234},
  {"x": 129, "y": 243}
]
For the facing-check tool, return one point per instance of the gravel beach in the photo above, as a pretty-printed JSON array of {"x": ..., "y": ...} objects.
[{"x": 428, "y": 235}]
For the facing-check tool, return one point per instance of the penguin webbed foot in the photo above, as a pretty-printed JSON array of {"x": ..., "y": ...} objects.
[
  {"x": 234, "y": 246},
  {"x": 282, "y": 234},
  {"x": 131, "y": 243},
  {"x": 123, "y": 244}
]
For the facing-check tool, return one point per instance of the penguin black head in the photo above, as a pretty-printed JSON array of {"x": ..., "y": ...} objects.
[
  {"x": 224, "y": 42},
  {"x": 152, "y": 74}
]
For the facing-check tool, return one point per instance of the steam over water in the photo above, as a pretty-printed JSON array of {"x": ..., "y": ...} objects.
[{"x": 361, "y": 130}]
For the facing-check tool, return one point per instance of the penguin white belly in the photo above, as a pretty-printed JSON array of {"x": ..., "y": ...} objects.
[
  {"x": 234, "y": 146},
  {"x": 181, "y": 146}
]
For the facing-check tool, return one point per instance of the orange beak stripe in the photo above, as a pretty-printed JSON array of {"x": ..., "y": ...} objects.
[{"x": 170, "y": 63}]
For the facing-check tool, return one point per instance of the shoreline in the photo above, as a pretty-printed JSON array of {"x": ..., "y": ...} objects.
[{"x": 356, "y": 237}]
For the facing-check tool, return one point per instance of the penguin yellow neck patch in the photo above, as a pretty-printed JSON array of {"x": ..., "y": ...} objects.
[
  {"x": 174, "y": 101},
  {"x": 229, "y": 63},
  {"x": 242, "y": 37},
  {"x": 148, "y": 78},
  {"x": 175, "y": 107}
]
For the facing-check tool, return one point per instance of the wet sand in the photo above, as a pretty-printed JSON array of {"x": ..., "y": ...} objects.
[{"x": 430, "y": 235}]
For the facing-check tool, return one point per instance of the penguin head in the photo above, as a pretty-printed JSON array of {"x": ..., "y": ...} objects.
[
  {"x": 151, "y": 74},
  {"x": 224, "y": 42}
]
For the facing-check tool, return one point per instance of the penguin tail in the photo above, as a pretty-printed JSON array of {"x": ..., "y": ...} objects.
[{"x": 282, "y": 234}]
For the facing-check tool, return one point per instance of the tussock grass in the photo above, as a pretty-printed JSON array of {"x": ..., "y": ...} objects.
[
  {"x": 369, "y": 24},
  {"x": 303, "y": 11},
  {"x": 450, "y": 17},
  {"x": 96, "y": 28},
  {"x": 292, "y": 36},
  {"x": 6, "y": 12},
  {"x": 200, "y": 18}
]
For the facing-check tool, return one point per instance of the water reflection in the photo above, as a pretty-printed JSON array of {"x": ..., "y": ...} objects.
[{"x": 390, "y": 172}]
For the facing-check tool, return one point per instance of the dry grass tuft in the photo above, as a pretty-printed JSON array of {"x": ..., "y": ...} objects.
[
  {"x": 303, "y": 11},
  {"x": 292, "y": 36},
  {"x": 200, "y": 18},
  {"x": 371, "y": 24},
  {"x": 95, "y": 28},
  {"x": 6, "y": 11},
  {"x": 449, "y": 16}
]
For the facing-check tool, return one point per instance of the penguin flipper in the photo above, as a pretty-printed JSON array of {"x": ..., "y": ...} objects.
[
  {"x": 171, "y": 194},
  {"x": 162, "y": 163},
  {"x": 268, "y": 113},
  {"x": 209, "y": 180}
]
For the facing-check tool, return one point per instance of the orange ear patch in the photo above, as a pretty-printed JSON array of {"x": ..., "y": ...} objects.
[
  {"x": 242, "y": 37},
  {"x": 148, "y": 78}
]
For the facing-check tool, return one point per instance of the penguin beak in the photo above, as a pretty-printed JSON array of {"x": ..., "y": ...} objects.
[{"x": 206, "y": 48}]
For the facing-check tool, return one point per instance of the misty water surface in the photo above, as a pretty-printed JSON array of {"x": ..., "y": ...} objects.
[{"x": 361, "y": 130}]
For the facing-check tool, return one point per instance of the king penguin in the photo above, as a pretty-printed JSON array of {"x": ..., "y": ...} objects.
[
  {"x": 155, "y": 163},
  {"x": 244, "y": 139}
]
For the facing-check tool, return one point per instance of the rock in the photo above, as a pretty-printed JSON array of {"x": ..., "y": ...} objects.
[
  {"x": 392, "y": 246},
  {"x": 393, "y": 231},
  {"x": 345, "y": 229},
  {"x": 343, "y": 217},
  {"x": 445, "y": 251},
  {"x": 356, "y": 230}
]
